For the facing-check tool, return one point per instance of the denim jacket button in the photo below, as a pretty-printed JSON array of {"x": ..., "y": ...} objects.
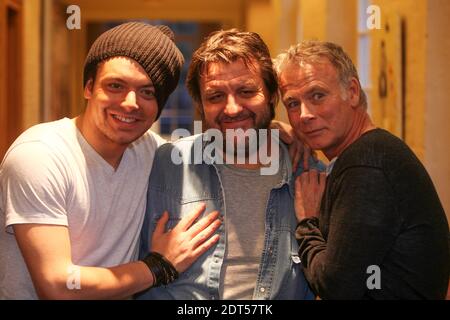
[{"x": 262, "y": 289}]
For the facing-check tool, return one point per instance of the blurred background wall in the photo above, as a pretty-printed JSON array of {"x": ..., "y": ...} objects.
[{"x": 404, "y": 62}]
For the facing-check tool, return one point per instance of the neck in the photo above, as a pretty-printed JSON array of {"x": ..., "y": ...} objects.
[
  {"x": 361, "y": 124},
  {"x": 111, "y": 152}
]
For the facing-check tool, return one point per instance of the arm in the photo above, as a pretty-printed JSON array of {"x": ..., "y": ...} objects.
[
  {"x": 47, "y": 254},
  {"x": 46, "y": 251},
  {"x": 35, "y": 195},
  {"x": 362, "y": 228}
]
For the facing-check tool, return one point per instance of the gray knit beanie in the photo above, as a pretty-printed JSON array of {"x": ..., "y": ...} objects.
[{"x": 153, "y": 47}]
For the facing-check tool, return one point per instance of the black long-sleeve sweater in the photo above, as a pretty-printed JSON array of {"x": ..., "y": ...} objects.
[{"x": 379, "y": 208}]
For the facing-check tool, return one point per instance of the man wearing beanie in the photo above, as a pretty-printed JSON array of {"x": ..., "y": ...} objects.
[{"x": 73, "y": 191}]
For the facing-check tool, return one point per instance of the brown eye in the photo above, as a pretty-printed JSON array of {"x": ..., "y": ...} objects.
[
  {"x": 115, "y": 86},
  {"x": 317, "y": 96},
  {"x": 247, "y": 93},
  {"x": 148, "y": 94},
  {"x": 292, "y": 104},
  {"x": 215, "y": 98}
]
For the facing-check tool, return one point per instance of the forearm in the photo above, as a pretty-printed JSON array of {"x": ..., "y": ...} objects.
[
  {"x": 361, "y": 227},
  {"x": 312, "y": 250},
  {"x": 331, "y": 273},
  {"x": 81, "y": 282},
  {"x": 114, "y": 283}
]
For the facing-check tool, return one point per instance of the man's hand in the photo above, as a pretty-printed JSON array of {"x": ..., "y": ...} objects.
[
  {"x": 187, "y": 241},
  {"x": 287, "y": 134},
  {"x": 297, "y": 149},
  {"x": 309, "y": 188}
]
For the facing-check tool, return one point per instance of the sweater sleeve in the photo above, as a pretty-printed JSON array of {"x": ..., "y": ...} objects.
[{"x": 363, "y": 225}]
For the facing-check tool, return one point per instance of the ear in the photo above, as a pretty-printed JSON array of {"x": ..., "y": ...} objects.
[
  {"x": 88, "y": 88},
  {"x": 354, "y": 92}
]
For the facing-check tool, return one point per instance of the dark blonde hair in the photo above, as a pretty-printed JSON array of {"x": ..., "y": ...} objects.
[
  {"x": 228, "y": 46},
  {"x": 314, "y": 51}
]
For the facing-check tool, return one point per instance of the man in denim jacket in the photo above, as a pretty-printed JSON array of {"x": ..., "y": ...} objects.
[{"x": 232, "y": 80}]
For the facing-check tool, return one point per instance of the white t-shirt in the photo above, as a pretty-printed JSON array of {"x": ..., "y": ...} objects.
[{"x": 51, "y": 175}]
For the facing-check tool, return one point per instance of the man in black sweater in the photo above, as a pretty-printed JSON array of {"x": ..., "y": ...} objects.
[{"x": 372, "y": 227}]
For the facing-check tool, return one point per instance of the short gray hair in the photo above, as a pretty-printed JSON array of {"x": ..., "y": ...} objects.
[{"x": 314, "y": 51}]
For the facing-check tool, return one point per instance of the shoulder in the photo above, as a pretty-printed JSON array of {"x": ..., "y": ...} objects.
[
  {"x": 377, "y": 149},
  {"x": 155, "y": 138},
  {"x": 178, "y": 158},
  {"x": 379, "y": 138},
  {"x": 148, "y": 141},
  {"x": 35, "y": 178},
  {"x": 54, "y": 137},
  {"x": 183, "y": 147},
  {"x": 33, "y": 163},
  {"x": 42, "y": 144},
  {"x": 41, "y": 156},
  {"x": 379, "y": 153},
  {"x": 47, "y": 132}
]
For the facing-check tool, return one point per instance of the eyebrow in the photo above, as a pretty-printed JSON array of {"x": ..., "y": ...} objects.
[
  {"x": 315, "y": 87},
  {"x": 288, "y": 96},
  {"x": 148, "y": 86},
  {"x": 118, "y": 79},
  {"x": 247, "y": 82},
  {"x": 213, "y": 85}
]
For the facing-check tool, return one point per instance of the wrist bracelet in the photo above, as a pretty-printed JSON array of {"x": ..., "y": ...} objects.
[{"x": 162, "y": 270}]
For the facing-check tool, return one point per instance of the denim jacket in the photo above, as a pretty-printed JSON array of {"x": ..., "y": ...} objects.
[{"x": 180, "y": 188}]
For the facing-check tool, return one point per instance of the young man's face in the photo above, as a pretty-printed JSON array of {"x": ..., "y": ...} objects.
[
  {"x": 319, "y": 108},
  {"x": 234, "y": 96},
  {"x": 121, "y": 102}
]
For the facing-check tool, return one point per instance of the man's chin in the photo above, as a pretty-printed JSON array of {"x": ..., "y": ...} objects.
[
  {"x": 125, "y": 140},
  {"x": 317, "y": 145}
]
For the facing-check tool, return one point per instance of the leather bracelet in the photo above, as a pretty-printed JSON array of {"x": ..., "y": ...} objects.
[{"x": 162, "y": 270}]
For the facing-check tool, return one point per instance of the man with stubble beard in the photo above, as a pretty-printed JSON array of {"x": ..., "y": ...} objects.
[{"x": 232, "y": 81}]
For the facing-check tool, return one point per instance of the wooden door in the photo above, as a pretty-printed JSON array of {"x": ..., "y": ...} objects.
[{"x": 11, "y": 72}]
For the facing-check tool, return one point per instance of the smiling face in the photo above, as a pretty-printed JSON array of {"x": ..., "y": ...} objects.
[
  {"x": 234, "y": 96},
  {"x": 320, "y": 108},
  {"x": 121, "y": 104}
]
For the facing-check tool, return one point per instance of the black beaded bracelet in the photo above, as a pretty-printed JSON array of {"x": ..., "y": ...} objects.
[{"x": 162, "y": 270}]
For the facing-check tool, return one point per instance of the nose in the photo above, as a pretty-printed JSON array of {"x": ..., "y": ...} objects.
[
  {"x": 130, "y": 101},
  {"x": 232, "y": 107},
  {"x": 305, "y": 113}
]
